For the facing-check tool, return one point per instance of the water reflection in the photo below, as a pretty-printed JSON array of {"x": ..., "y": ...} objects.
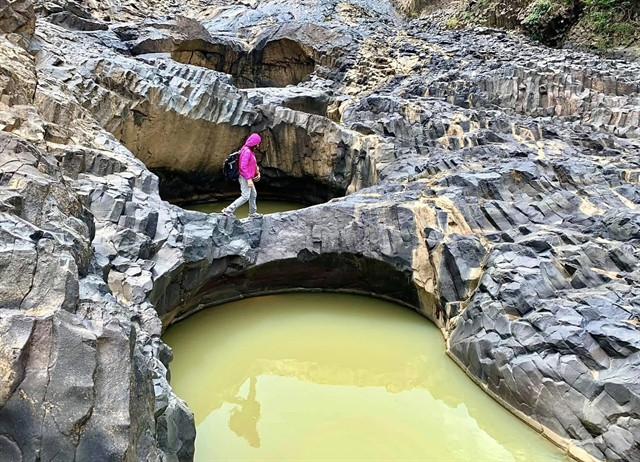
[
  {"x": 244, "y": 418},
  {"x": 319, "y": 376}
]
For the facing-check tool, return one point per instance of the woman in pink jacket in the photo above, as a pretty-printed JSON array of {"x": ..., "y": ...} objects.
[{"x": 249, "y": 171}]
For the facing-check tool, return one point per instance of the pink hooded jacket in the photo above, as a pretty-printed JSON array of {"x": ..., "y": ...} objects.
[{"x": 247, "y": 165}]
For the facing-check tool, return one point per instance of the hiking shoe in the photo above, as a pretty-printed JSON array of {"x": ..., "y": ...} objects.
[
  {"x": 228, "y": 213},
  {"x": 255, "y": 215}
]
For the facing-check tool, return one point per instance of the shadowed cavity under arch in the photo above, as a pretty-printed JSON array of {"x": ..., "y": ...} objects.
[{"x": 332, "y": 272}]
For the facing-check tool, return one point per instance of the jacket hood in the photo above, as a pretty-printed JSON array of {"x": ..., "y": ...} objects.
[{"x": 253, "y": 140}]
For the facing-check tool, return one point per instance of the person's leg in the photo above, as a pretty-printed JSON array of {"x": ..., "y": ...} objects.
[
  {"x": 253, "y": 196},
  {"x": 245, "y": 192}
]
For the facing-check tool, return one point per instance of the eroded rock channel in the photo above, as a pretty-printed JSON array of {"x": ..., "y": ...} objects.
[{"x": 487, "y": 182}]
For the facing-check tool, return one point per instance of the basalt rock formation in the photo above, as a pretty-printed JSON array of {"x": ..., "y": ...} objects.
[{"x": 480, "y": 179}]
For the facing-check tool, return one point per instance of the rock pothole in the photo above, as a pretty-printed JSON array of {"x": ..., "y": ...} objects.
[
  {"x": 182, "y": 188},
  {"x": 273, "y": 61},
  {"x": 278, "y": 63}
]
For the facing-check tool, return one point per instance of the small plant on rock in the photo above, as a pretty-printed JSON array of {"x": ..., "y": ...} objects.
[{"x": 452, "y": 23}]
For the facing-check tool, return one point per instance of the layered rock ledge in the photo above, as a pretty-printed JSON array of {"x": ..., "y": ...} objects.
[{"x": 482, "y": 180}]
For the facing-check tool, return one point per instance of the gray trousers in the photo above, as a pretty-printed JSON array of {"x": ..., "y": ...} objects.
[{"x": 247, "y": 194}]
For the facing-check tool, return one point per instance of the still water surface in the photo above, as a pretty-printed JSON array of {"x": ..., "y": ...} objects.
[
  {"x": 264, "y": 207},
  {"x": 311, "y": 377}
]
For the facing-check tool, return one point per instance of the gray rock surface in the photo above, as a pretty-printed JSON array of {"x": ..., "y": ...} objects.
[{"x": 490, "y": 184}]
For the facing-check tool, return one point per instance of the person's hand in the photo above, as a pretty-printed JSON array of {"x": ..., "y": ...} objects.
[{"x": 250, "y": 183}]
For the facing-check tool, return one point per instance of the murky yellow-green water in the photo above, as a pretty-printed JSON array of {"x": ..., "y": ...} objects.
[
  {"x": 264, "y": 207},
  {"x": 310, "y": 377}
]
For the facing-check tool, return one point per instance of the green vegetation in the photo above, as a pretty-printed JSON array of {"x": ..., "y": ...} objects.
[
  {"x": 549, "y": 21},
  {"x": 613, "y": 22},
  {"x": 604, "y": 24},
  {"x": 538, "y": 11},
  {"x": 452, "y": 23}
]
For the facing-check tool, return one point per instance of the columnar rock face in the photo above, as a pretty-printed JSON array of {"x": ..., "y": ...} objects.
[
  {"x": 489, "y": 183},
  {"x": 81, "y": 377}
]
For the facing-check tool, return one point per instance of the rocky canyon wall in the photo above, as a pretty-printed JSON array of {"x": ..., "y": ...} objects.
[{"x": 481, "y": 179}]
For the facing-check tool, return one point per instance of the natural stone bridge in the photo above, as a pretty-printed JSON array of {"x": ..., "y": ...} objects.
[{"x": 490, "y": 184}]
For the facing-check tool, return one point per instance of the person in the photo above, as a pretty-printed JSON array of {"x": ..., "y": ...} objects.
[{"x": 249, "y": 174}]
